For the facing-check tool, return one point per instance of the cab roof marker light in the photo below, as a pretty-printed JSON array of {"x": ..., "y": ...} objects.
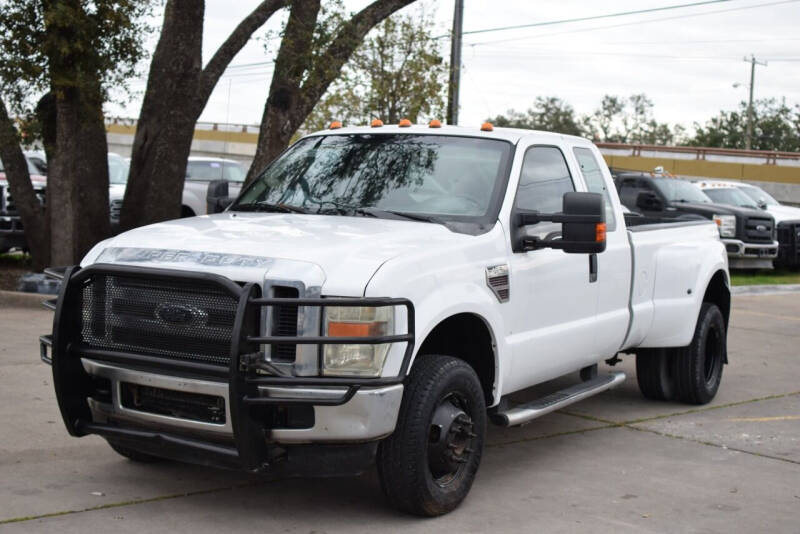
[
  {"x": 335, "y": 125},
  {"x": 404, "y": 123},
  {"x": 435, "y": 123},
  {"x": 376, "y": 123},
  {"x": 487, "y": 127}
]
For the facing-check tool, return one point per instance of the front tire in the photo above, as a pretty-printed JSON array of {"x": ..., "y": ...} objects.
[
  {"x": 428, "y": 464},
  {"x": 698, "y": 366}
]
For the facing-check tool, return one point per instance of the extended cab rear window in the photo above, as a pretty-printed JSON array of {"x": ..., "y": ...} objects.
[{"x": 592, "y": 173}]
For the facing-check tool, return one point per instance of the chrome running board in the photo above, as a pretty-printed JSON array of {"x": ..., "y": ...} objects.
[{"x": 524, "y": 413}]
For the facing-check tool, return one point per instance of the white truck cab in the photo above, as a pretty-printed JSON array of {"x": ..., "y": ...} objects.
[{"x": 376, "y": 294}]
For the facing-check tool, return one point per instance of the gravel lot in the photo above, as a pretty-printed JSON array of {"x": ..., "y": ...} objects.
[{"x": 613, "y": 463}]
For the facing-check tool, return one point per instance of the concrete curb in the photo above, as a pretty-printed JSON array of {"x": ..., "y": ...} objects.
[
  {"x": 18, "y": 299},
  {"x": 776, "y": 289}
]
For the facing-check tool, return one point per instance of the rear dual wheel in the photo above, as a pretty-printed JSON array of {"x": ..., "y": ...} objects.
[
  {"x": 428, "y": 464},
  {"x": 690, "y": 374}
]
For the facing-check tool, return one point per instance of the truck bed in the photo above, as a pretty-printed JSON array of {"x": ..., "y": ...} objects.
[{"x": 667, "y": 262}]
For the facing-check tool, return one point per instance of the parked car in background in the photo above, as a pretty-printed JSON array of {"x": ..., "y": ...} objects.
[
  {"x": 200, "y": 171},
  {"x": 12, "y": 235},
  {"x": 749, "y": 234},
  {"x": 787, "y": 218}
]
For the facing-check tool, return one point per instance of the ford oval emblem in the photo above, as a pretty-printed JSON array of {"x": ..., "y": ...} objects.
[
  {"x": 180, "y": 314},
  {"x": 761, "y": 228}
]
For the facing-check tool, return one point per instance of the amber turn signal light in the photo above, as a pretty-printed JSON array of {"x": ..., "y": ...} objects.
[
  {"x": 335, "y": 125},
  {"x": 600, "y": 232},
  {"x": 376, "y": 123}
]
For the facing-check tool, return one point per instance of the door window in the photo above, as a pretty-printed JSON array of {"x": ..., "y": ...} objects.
[
  {"x": 593, "y": 175},
  {"x": 544, "y": 179}
]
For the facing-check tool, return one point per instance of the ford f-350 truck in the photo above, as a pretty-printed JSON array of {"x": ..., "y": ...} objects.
[{"x": 376, "y": 295}]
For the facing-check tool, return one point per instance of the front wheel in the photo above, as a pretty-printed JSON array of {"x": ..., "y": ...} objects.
[{"x": 428, "y": 464}]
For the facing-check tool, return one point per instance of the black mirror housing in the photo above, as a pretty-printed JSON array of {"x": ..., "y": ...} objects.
[
  {"x": 649, "y": 201},
  {"x": 583, "y": 220},
  {"x": 217, "y": 196}
]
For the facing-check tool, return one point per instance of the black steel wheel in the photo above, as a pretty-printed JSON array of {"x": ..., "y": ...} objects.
[
  {"x": 428, "y": 464},
  {"x": 698, "y": 366}
]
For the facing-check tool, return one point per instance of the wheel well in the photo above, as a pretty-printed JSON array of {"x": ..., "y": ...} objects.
[
  {"x": 186, "y": 211},
  {"x": 718, "y": 293},
  {"x": 468, "y": 337}
]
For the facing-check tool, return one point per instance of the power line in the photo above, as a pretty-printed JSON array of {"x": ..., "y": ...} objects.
[
  {"x": 633, "y": 23},
  {"x": 595, "y": 17}
]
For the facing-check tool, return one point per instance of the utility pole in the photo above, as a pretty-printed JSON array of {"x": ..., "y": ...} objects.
[
  {"x": 455, "y": 63},
  {"x": 748, "y": 141}
]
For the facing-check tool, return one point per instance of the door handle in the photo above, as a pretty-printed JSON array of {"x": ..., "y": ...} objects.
[{"x": 592, "y": 268}]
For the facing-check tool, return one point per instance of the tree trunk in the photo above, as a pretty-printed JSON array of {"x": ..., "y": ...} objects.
[
  {"x": 78, "y": 176},
  {"x": 178, "y": 88},
  {"x": 31, "y": 212},
  {"x": 298, "y": 83}
]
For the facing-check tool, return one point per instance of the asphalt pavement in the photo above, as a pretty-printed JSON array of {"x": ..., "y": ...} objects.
[{"x": 612, "y": 463}]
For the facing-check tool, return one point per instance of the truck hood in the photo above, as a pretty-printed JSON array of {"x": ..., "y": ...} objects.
[
  {"x": 349, "y": 250},
  {"x": 707, "y": 209},
  {"x": 784, "y": 213}
]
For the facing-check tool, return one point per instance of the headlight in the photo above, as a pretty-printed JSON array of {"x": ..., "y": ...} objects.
[
  {"x": 356, "y": 360},
  {"x": 726, "y": 225}
]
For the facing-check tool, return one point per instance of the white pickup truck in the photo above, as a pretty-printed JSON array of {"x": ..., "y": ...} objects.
[{"x": 375, "y": 296}]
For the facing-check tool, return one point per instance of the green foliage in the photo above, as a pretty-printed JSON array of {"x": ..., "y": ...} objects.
[
  {"x": 628, "y": 120},
  {"x": 776, "y": 126},
  {"x": 548, "y": 113},
  {"x": 61, "y": 44},
  {"x": 398, "y": 72}
]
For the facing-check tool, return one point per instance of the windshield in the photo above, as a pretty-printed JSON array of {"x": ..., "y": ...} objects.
[
  {"x": 117, "y": 170},
  {"x": 730, "y": 195},
  {"x": 680, "y": 191},
  {"x": 208, "y": 170},
  {"x": 759, "y": 195},
  {"x": 442, "y": 176}
]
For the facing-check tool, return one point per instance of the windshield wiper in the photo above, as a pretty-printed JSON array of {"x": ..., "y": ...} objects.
[
  {"x": 391, "y": 214},
  {"x": 269, "y": 207}
]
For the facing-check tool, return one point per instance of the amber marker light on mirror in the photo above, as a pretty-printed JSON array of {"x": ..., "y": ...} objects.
[{"x": 600, "y": 232}]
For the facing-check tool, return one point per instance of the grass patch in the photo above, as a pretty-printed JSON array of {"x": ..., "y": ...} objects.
[{"x": 758, "y": 278}]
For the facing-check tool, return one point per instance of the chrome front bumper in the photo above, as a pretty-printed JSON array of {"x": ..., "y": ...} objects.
[
  {"x": 370, "y": 414},
  {"x": 737, "y": 248}
]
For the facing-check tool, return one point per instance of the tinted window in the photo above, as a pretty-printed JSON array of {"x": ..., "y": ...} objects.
[
  {"x": 593, "y": 175},
  {"x": 732, "y": 196},
  {"x": 680, "y": 191},
  {"x": 544, "y": 180},
  {"x": 206, "y": 171}
]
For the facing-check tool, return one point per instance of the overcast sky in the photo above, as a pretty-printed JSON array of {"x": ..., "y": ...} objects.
[{"x": 686, "y": 60}]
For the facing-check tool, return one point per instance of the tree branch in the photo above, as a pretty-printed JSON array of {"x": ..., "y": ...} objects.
[
  {"x": 234, "y": 43},
  {"x": 351, "y": 35}
]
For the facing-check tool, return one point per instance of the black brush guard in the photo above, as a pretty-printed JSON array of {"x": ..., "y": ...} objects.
[{"x": 250, "y": 450}]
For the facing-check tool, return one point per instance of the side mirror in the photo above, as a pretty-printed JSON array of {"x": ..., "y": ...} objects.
[
  {"x": 217, "y": 196},
  {"x": 649, "y": 201},
  {"x": 583, "y": 229},
  {"x": 762, "y": 203}
]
